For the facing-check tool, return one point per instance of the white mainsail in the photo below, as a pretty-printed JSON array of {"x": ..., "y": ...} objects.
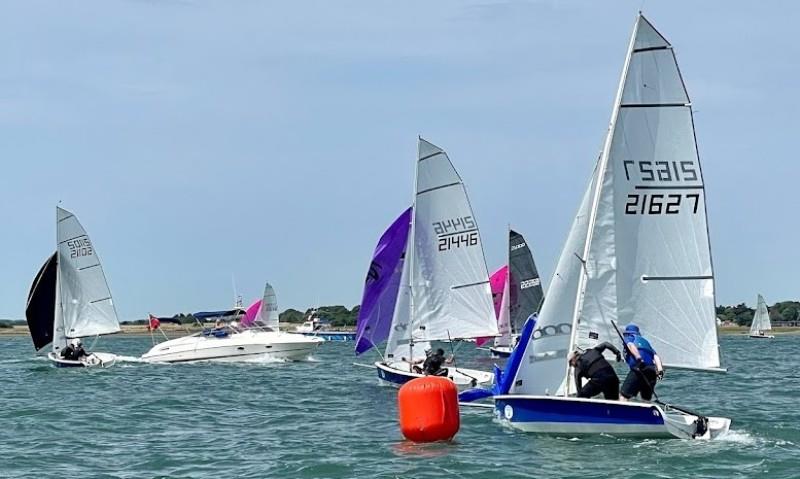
[
  {"x": 639, "y": 249},
  {"x": 268, "y": 312},
  {"x": 761, "y": 320},
  {"x": 85, "y": 301},
  {"x": 445, "y": 291},
  {"x": 451, "y": 296}
]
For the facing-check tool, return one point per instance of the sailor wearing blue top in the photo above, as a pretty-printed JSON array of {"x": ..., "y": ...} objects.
[{"x": 646, "y": 367}]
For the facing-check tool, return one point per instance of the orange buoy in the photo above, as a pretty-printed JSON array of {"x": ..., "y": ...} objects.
[{"x": 428, "y": 409}]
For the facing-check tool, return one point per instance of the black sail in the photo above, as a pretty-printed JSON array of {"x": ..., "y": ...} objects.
[
  {"x": 41, "y": 308},
  {"x": 526, "y": 287}
]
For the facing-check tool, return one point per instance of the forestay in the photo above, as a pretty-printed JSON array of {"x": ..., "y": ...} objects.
[
  {"x": 86, "y": 303},
  {"x": 449, "y": 280}
]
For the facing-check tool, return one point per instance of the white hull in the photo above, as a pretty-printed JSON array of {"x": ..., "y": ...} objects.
[
  {"x": 398, "y": 373},
  {"x": 762, "y": 336},
  {"x": 234, "y": 347},
  {"x": 93, "y": 360}
]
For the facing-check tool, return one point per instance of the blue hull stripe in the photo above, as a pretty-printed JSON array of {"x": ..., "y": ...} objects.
[
  {"x": 530, "y": 410},
  {"x": 393, "y": 377}
]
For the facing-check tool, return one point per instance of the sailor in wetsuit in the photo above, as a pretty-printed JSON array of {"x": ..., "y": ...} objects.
[
  {"x": 591, "y": 365},
  {"x": 646, "y": 367},
  {"x": 74, "y": 351},
  {"x": 433, "y": 364}
]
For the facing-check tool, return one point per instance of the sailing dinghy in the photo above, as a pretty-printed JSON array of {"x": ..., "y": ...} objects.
[
  {"x": 428, "y": 279},
  {"x": 638, "y": 251},
  {"x": 761, "y": 323},
  {"x": 70, "y": 299},
  {"x": 520, "y": 294},
  {"x": 257, "y": 336}
]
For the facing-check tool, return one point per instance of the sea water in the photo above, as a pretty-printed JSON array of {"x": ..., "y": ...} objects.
[{"x": 327, "y": 418}]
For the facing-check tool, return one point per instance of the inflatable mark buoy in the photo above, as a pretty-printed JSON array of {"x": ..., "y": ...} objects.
[{"x": 428, "y": 409}]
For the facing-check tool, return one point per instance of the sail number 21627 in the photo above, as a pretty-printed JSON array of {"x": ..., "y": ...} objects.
[{"x": 662, "y": 187}]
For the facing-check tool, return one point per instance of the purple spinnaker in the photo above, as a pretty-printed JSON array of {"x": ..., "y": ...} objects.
[{"x": 382, "y": 285}]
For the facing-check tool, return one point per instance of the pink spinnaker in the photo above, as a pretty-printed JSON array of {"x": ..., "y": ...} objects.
[
  {"x": 497, "y": 281},
  {"x": 251, "y": 314}
]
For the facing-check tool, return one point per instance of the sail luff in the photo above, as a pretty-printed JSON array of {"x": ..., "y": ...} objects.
[{"x": 603, "y": 167}]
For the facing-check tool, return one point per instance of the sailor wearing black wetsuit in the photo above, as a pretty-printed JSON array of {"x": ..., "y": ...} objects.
[
  {"x": 433, "y": 363},
  {"x": 593, "y": 366},
  {"x": 74, "y": 351}
]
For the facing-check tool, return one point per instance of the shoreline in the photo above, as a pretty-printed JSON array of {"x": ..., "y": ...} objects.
[
  {"x": 172, "y": 331},
  {"x": 141, "y": 330}
]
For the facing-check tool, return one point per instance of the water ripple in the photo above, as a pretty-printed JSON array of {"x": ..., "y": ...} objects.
[{"x": 328, "y": 419}]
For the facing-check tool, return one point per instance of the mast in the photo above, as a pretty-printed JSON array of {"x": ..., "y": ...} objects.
[
  {"x": 603, "y": 165},
  {"x": 508, "y": 282},
  {"x": 410, "y": 249},
  {"x": 58, "y": 321}
]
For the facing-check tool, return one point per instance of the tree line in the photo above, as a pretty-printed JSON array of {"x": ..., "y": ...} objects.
[
  {"x": 742, "y": 315},
  {"x": 339, "y": 316}
]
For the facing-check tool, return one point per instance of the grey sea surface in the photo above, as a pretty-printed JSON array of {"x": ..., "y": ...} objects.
[{"x": 327, "y": 418}]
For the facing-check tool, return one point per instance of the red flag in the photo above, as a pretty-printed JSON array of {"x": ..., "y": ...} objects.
[{"x": 154, "y": 323}]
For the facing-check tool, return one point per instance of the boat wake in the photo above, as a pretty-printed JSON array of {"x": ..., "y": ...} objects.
[
  {"x": 130, "y": 359},
  {"x": 263, "y": 360},
  {"x": 739, "y": 437}
]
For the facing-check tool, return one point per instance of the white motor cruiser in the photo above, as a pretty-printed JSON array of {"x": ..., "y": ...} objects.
[{"x": 256, "y": 336}]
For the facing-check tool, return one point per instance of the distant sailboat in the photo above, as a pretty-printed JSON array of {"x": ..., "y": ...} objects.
[
  {"x": 761, "y": 323},
  {"x": 521, "y": 294},
  {"x": 428, "y": 279},
  {"x": 70, "y": 299},
  {"x": 638, "y": 251}
]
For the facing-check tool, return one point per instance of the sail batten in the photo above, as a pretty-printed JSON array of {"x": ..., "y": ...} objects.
[
  {"x": 444, "y": 291},
  {"x": 451, "y": 296},
  {"x": 86, "y": 304},
  {"x": 643, "y": 254}
]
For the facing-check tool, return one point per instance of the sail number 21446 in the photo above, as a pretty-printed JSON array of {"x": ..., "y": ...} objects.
[{"x": 456, "y": 232}]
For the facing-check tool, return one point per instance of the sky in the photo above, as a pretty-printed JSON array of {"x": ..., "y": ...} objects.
[{"x": 207, "y": 144}]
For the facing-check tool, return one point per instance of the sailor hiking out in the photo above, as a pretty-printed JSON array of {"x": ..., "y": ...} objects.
[
  {"x": 645, "y": 365},
  {"x": 591, "y": 365}
]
